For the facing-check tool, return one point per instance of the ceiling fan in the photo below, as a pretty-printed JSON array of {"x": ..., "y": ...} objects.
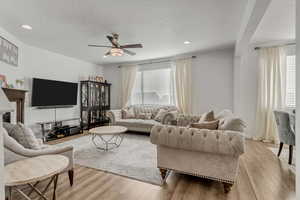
[{"x": 116, "y": 49}]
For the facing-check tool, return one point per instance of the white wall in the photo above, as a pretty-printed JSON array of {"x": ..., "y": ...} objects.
[
  {"x": 245, "y": 92},
  {"x": 212, "y": 80},
  {"x": 40, "y": 63}
]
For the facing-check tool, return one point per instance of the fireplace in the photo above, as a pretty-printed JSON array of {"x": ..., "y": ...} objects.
[
  {"x": 17, "y": 96},
  {"x": 6, "y": 117}
]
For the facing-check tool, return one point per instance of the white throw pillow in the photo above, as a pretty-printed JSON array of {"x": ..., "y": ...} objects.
[{"x": 233, "y": 124}]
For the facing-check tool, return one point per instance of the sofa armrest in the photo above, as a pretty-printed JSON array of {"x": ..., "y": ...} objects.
[
  {"x": 168, "y": 118},
  {"x": 114, "y": 115},
  {"x": 210, "y": 141}
]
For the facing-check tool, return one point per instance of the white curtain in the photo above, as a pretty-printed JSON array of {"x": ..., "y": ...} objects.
[
  {"x": 128, "y": 76},
  {"x": 183, "y": 85},
  {"x": 271, "y": 91}
]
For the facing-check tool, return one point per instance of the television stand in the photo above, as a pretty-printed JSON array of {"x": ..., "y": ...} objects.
[{"x": 52, "y": 130}]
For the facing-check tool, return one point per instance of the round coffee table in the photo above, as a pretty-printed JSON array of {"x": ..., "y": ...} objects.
[
  {"x": 35, "y": 169},
  {"x": 107, "y": 137}
]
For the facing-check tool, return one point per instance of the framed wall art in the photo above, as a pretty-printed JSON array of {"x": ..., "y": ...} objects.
[{"x": 8, "y": 52}]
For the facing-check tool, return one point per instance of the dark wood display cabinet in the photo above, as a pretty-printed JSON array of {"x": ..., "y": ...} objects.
[{"x": 94, "y": 102}]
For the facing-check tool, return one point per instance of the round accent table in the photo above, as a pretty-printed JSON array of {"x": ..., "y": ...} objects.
[
  {"x": 31, "y": 171},
  {"x": 107, "y": 137}
]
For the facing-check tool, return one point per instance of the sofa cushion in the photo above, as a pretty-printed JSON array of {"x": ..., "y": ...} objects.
[
  {"x": 137, "y": 123},
  {"x": 211, "y": 125},
  {"x": 208, "y": 116}
]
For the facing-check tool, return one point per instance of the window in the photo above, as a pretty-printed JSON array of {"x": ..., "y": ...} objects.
[
  {"x": 291, "y": 82},
  {"x": 154, "y": 86}
]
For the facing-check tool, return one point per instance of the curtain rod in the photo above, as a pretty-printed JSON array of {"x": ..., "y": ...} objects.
[
  {"x": 162, "y": 61},
  {"x": 288, "y": 44}
]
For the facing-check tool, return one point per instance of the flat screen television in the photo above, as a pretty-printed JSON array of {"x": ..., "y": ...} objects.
[{"x": 50, "y": 93}]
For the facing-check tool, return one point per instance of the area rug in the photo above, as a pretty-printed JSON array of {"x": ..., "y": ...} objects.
[
  {"x": 135, "y": 158},
  {"x": 284, "y": 157}
]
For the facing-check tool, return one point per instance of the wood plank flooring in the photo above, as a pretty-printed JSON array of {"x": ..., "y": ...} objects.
[{"x": 261, "y": 177}]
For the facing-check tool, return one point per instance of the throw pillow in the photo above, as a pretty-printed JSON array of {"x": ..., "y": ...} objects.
[
  {"x": 148, "y": 116},
  {"x": 141, "y": 116},
  {"x": 160, "y": 115},
  {"x": 30, "y": 137},
  {"x": 128, "y": 113},
  {"x": 211, "y": 125},
  {"x": 209, "y": 116},
  {"x": 25, "y": 138},
  {"x": 233, "y": 124},
  {"x": 144, "y": 116}
]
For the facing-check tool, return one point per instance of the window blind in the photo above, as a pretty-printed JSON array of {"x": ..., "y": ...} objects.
[{"x": 291, "y": 82}]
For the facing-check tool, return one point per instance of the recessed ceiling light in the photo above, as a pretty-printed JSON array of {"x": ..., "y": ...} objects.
[
  {"x": 25, "y": 26},
  {"x": 104, "y": 56},
  {"x": 187, "y": 42}
]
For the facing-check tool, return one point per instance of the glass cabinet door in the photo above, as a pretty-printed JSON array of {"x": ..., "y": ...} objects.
[
  {"x": 106, "y": 95},
  {"x": 84, "y": 95}
]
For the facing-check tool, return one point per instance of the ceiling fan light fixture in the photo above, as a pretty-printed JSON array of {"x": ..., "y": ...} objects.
[{"x": 116, "y": 52}]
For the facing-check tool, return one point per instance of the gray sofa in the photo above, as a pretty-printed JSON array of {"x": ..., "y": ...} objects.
[
  {"x": 211, "y": 154},
  {"x": 142, "y": 125}
]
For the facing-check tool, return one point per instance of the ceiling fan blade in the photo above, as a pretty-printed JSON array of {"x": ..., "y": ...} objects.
[
  {"x": 113, "y": 41},
  {"x": 132, "y": 46},
  {"x": 128, "y": 52},
  {"x": 94, "y": 45}
]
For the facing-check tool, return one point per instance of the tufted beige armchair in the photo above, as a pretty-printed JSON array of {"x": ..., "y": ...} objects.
[{"x": 211, "y": 154}]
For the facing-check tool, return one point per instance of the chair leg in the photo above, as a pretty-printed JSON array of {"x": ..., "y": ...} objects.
[
  {"x": 163, "y": 173},
  {"x": 71, "y": 176},
  {"x": 227, "y": 187},
  {"x": 280, "y": 148},
  {"x": 291, "y": 154}
]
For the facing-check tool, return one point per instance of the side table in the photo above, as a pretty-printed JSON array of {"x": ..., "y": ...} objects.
[{"x": 31, "y": 171}]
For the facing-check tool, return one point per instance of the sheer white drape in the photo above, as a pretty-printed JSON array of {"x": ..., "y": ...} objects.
[
  {"x": 271, "y": 91},
  {"x": 128, "y": 76},
  {"x": 183, "y": 84}
]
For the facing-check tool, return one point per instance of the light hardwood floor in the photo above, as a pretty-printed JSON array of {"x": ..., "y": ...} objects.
[{"x": 261, "y": 177}]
